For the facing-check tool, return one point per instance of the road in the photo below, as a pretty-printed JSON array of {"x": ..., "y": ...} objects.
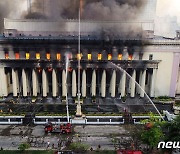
[{"x": 12, "y": 136}]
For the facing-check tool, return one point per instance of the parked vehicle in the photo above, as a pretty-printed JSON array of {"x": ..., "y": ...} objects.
[{"x": 63, "y": 128}]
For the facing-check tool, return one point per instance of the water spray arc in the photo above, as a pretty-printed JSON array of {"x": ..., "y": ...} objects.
[
  {"x": 133, "y": 80},
  {"x": 67, "y": 107}
]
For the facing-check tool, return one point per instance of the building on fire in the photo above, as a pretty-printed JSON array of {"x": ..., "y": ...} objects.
[{"x": 33, "y": 59}]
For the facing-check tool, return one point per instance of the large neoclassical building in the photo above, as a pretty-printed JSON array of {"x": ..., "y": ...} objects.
[{"x": 33, "y": 63}]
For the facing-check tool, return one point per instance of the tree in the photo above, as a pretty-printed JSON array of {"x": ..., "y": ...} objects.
[
  {"x": 23, "y": 146},
  {"x": 173, "y": 130},
  {"x": 152, "y": 134}
]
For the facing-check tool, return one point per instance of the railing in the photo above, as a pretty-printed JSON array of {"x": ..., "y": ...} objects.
[
  {"x": 88, "y": 120},
  {"x": 41, "y": 120},
  {"x": 98, "y": 120},
  {"x": 11, "y": 120}
]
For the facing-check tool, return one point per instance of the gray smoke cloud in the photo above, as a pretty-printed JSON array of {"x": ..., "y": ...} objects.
[
  {"x": 11, "y": 9},
  {"x": 92, "y": 9},
  {"x": 166, "y": 26},
  {"x": 126, "y": 10}
]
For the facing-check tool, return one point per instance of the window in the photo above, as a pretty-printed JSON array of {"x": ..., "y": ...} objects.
[
  {"x": 48, "y": 56},
  {"x": 17, "y": 56},
  {"x": 140, "y": 56},
  {"x": 6, "y": 55},
  {"x": 58, "y": 56},
  {"x": 130, "y": 57},
  {"x": 38, "y": 56},
  {"x": 99, "y": 56},
  {"x": 151, "y": 57},
  {"x": 89, "y": 56},
  {"x": 27, "y": 55},
  {"x": 79, "y": 56},
  {"x": 119, "y": 56},
  {"x": 109, "y": 56}
]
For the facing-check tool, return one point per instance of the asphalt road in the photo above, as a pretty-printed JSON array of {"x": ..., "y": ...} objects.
[{"x": 12, "y": 136}]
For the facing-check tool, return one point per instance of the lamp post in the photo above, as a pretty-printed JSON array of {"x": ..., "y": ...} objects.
[{"x": 78, "y": 106}]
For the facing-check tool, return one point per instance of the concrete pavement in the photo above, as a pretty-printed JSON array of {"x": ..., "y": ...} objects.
[{"x": 12, "y": 136}]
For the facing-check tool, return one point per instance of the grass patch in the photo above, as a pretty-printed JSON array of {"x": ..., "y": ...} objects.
[
  {"x": 145, "y": 114},
  {"x": 177, "y": 103},
  {"x": 103, "y": 114},
  {"x": 11, "y": 114},
  {"x": 78, "y": 147},
  {"x": 27, "y": 152},
  {"x": 164, "y": 98}
]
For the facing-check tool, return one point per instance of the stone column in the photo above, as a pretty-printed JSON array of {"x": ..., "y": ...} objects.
[
  {"x": 103, "y": 84},
  {"x": 3, "y": 83},
  {"x": 133, "y": 83},
  {"x": 17, "y": 81},
  {"x": 113, "y": 84},
  {"x": 24, "y": 82},
  {"x": 34, "y": 83},
  {"x": 123, "y": 84},
  {"x": 143, "y": 80},
  {"x": 152, "y": 84},
  {"x": 14, "y": 82},
  {"x": 44, "y": 83},
  {"x": 140, "y": 79},
  {"x": 93, "y": 83},
  {"x": 54, "y": 83},
  {"x": 64, "y": 88},
  {"x": 28, "y": 83},
  {"x": 83, "y": 84},
  {"x": 74, "y": 84}
]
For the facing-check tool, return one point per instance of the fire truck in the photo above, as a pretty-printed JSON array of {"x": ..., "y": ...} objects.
[{"x": 63, "y": 128}]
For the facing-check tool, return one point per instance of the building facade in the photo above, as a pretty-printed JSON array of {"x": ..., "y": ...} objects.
[{"x": 33, "y": 60}]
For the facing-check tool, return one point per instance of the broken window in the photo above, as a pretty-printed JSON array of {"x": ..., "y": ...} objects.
[
  {"x": 17, "y": 56},
  {"x": 89, "y": 56},
  {"x": 6, "y": 55},
  {"x": 99, "y": 56},
  {"x": 48, "y": 56},
  {"x": 130, "y": 57},
  {"x": 109, "y": 56},
  {"x": 119, "y": 56},
  {"x": 151, "y": 57},
  {"x": 38, "y": 56},
  {"x": 58, "y": 56},
  {"x": 27, "y": 55}
]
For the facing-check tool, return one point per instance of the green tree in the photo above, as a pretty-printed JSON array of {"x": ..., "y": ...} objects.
[
  {"x": 23, "y": 146},
  {"x": 153, "y": 134},
  {"x": 173, "y": 130}
]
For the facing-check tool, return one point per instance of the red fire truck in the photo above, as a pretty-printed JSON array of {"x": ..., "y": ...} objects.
[{"x": 63, "y": 128}]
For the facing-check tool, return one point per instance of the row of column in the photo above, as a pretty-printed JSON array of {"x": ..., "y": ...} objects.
[{"x": 133, "y": 87}]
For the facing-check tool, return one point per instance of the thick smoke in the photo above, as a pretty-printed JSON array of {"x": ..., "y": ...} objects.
[
  {"x": 92, "y": 9},
  {"x": 166, "y": 26},
  {"x": 121, "y": 10},
  {"x": 103, "y": 10},
  {"x": 11, "y": 9}
]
